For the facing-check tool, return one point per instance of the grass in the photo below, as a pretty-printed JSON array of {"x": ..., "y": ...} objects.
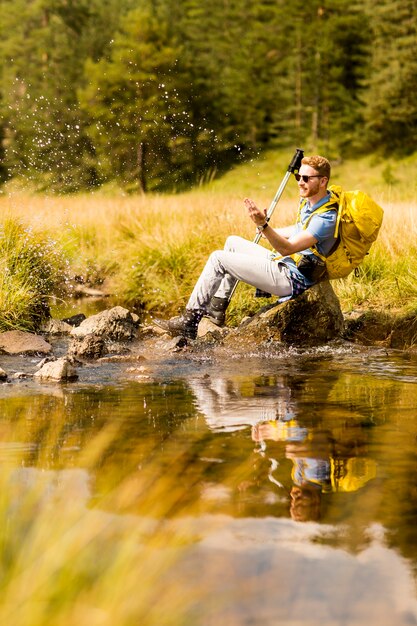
[
  {"x": 149, "y": 250},
  {"x": 91, "y": 566},
  {"x": 32, "y": 268}
]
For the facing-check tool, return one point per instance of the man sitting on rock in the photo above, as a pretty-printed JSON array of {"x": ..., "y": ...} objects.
[{"x": 271, "y": 272}]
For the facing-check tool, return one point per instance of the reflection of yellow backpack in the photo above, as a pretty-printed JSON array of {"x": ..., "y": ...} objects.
[
  {"x": 359, "y": 219},
  {"x": 351, "y": 474}
]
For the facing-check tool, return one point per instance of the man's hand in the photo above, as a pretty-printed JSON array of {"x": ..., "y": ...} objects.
[
  {"x": 257, "y": 215},
  {"x": 285, "y": 241}
]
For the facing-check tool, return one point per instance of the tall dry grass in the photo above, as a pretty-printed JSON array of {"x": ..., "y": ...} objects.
[{"x": 150, "y": 249}]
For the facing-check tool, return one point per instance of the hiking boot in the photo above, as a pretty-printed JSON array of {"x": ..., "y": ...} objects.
[
  {"x": 216, "y": 310},
  {"x": 185, "y": 325}
]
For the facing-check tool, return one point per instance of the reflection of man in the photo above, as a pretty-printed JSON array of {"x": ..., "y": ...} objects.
[
  {"x": 317, "y": 467},
  {"x": 305, "y": 503},
  {"x": 230, "y": 405}
]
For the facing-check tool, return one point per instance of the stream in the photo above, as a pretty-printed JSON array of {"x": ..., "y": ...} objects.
[{"x": 270, "y": 489}]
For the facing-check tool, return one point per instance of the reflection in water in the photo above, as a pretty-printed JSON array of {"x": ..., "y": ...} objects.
[
  {"x": 321, "y": 464},
  {"x": 180, "y": 501},
  {"x": 323, "y": 460}
]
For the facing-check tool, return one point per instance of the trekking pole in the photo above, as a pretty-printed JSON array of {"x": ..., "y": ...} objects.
[{"x": 293, "y": 167}]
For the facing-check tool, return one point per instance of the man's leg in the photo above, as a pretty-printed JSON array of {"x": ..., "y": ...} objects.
[{"x": 241, "y": 260}]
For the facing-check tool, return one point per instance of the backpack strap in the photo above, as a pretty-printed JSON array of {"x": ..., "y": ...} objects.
[{"x": 333, "y": 203}]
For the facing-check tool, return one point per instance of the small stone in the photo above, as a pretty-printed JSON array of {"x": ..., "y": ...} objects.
[
  {"x": 21, "y": 375},
  {"x": 74, "y": 320},
  {"x": 56, "y": 327},
  {"x": 59, "y": 370}
]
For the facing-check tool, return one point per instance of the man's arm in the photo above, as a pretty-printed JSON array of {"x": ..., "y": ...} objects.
[
  {"x": 282, "y": 240},
  {"x": 298, "y": 242},
  {"x": 285, "y": 231}
]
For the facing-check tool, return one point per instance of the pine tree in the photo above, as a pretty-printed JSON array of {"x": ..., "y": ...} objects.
[
  {"x": 134, "y": 102},
  {"x": 43, "y": 51},
  {"x": 391, "y": 106}
]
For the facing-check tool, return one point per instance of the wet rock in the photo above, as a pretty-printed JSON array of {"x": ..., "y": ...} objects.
[
  {"x": 404, "y": 333},
  {"x": 89, "y": 347},
  {"x": 122, "y": 358},
  {"x": 20, "y": 342},
  {"x": 59, "y": 370},
  {"x": 56, "y": 327},
  {"x": 209, "y": 330},
  {"x": 371, "y": 328},
  {"x": 21, "y": 375},
  {"x": 313, "y": 318},
  {"x": 379, "y": 328},
  {"x": 47, "y": 359},
  {"x": 174, "y": 344},
  {"x": 74, "y": 320},
  {"x": 3, "y": 375},
  {"x": 116, "y": 323},
  {"x": 152, "y": 330}
]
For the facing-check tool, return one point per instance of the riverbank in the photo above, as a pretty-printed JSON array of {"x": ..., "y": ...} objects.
[{"x": 147, "y": 251}]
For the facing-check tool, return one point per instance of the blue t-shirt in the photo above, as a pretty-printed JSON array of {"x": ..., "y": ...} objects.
[{"x": 322, "y": 228}]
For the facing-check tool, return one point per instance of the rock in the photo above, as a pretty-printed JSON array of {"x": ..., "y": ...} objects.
[
  {"x": 56, "y": 327},
  {"x": 20, "y": 342},
  {"x": 174, "y": 344},
  {"x": 404, "y": 332},
  {"x": 21, "y": 375},
  {"x": 88, "y": 347},
  {"x": 313, "y": 318},
  {"x": 122, "y": 358},
  {"x": 371, "y": 328},
  {"x": 47, "y": 359},
  {"x": 152, "y": 330},
  {"x": 59, "y": 370},
  {"x": 3, "y": 374},
  {"x": 74, "y": 320},
  {"x": 207, "y": 327},
  {"x": 116, "y": 323},
  {"x": 135, "y": 318}
]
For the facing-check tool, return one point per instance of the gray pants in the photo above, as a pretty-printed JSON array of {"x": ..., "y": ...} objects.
[{"x": 240, "y": 260}]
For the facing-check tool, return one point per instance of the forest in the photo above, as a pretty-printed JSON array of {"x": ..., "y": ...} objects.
[{"x": 161, "y": 95}]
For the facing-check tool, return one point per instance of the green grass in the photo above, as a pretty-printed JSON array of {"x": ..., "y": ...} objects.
[
  {"x": 149, "y": 250},
  {"x": 32, "y": 269}
]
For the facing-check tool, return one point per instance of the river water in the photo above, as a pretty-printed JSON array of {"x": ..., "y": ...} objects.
[{"x": 264, "y": 490}]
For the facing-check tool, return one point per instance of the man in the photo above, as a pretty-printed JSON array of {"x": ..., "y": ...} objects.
[{"x": 272, "y": 272}]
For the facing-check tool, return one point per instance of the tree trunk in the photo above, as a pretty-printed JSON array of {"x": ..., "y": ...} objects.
[{"x": 141, "y": 166}]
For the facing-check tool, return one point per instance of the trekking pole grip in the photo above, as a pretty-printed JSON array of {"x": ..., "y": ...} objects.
[{"x": 295, "y": 164}]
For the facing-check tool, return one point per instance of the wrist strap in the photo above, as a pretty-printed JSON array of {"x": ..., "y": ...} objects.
[{"x": 262, "y": 228}]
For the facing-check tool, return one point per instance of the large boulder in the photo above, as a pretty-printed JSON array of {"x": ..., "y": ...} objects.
[
  {"x": 20, "y": 342},
  {"x": 313, "y": 318},
  {"x": 117, "y": 324}
]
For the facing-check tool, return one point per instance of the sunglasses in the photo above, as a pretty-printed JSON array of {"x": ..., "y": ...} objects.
[{"x": 305, "y": 177}]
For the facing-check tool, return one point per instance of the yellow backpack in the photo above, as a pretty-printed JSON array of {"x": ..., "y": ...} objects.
[{"x": 359, "y": 219}]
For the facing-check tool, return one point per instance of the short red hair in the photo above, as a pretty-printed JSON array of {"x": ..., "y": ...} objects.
[{"x": 318, "y": 163}]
